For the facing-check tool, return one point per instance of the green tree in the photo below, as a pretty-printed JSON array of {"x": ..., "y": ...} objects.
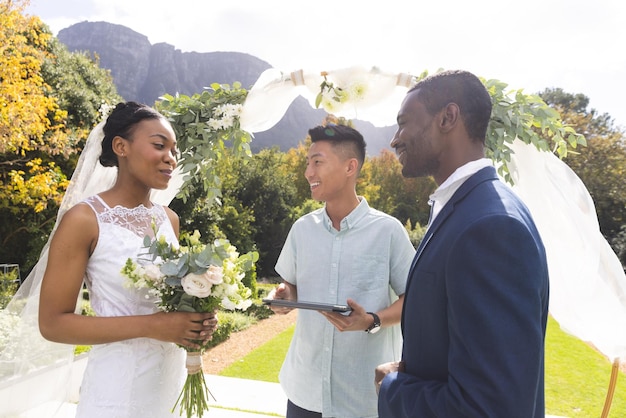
[
  {"x": 260, "y": 186},
  {"x": 225, "y": 217},
  {"x": 255, "y": 210},
  {"x": 405, "y": 199},
  {"x": 294, "y": 167},
  {"x": 80, "y": 86}
]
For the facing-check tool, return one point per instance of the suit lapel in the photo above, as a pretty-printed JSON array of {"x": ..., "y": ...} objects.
[
  {"x": 432, "y": 229},
  {"x": 487, "y": 173}
]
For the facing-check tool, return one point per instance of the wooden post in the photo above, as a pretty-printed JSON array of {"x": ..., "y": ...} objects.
[{"x": 611, "y": 390}]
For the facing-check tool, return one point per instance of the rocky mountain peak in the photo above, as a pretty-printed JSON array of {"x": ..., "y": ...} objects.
[{"x": 143, "y": 72}]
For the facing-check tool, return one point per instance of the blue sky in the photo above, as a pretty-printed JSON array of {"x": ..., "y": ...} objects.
[{"x": 575, "y": 45}]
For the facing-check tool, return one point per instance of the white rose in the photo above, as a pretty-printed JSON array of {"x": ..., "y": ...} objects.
[
  {"x": 215, "y": 274},
  {"x": 200, "y": 285},
  {"x": 196, "y": 285},
  {"x": 153, "y": 273}
]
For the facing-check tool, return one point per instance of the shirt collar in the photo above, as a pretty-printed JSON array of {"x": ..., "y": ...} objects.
[
  {"x": 353, "y": 217},
  {"x": 444, "y": 192}
]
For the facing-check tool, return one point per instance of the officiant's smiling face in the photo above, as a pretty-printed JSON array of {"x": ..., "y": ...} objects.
[
  {"x": 333, "y": 162},
  {"x": 325, "y": 171},
  {"x": 149, "y": 152}
]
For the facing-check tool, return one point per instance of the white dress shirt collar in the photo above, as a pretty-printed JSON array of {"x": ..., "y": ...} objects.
[{"x": 444, "y": 192}]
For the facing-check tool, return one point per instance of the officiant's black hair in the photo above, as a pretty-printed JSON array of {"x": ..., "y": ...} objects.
[
  {"x": 121, "y": 122},
  {"x": 341, "y": 135}
]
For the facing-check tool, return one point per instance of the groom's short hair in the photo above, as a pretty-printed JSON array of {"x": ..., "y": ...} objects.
[{"x": 463, "y": 88}]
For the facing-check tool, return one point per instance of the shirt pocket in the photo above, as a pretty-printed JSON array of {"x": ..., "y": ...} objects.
[{"x": 370, "y": 272}]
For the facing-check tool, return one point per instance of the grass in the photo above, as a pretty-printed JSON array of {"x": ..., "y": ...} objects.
[
  {"x": 577, "y": 376},
  {"x": 264, "y": 362}
]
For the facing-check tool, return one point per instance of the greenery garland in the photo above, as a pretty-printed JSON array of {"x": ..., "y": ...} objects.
[
  {"x": 206, "y": 121},
  {"x": 528, "y": 118},
  {"x": 203, "y": 123}
]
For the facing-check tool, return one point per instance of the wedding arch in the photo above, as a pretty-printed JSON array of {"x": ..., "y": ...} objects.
[{"x": 525, "y": 136}]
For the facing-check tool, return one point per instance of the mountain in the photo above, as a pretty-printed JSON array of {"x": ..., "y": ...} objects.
[{"x": 143, "y": 72}]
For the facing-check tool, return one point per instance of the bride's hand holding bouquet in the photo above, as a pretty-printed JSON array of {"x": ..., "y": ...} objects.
[{"x": 193, "y": 277}]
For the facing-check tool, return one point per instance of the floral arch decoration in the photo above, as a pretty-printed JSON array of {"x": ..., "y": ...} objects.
[{"x": 205, "y": 121}]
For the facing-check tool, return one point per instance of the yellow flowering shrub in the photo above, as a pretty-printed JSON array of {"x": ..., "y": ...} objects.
[{"x": 30, "y": 118}]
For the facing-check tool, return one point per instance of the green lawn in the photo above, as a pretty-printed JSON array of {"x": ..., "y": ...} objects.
[
  {"x": 264, "y": 362},
  {"x": 577, "y": 376}
]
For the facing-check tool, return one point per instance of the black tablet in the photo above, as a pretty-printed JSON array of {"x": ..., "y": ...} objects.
[{"x": 307, "y": 305}]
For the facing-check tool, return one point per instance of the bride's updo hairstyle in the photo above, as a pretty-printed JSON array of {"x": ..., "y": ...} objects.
[{"x": 121, "y": 122}]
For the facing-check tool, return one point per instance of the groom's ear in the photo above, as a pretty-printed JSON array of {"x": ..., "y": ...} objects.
[{"x": 450, "y": 116}]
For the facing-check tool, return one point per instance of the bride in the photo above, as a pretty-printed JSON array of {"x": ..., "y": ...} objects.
[{"x": 135, "y": 364}]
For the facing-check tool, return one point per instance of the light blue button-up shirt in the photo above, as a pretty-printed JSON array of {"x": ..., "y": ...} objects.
[{"x": 368, "y": 260}]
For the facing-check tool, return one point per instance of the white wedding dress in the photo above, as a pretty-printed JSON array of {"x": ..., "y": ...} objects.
[{"x": 141, "y": 377}]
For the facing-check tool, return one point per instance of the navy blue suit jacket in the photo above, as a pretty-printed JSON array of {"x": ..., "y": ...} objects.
[{"x": 475, "y": 312}]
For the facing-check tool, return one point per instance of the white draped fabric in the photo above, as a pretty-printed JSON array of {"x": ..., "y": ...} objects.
[
  {"x": 588, "y": 285},
  {"x": 587, "y": 281},
  {"x": 370, "y": 95}
]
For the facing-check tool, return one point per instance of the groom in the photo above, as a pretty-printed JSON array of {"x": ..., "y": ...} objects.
[{"x": 476, "y": 302}]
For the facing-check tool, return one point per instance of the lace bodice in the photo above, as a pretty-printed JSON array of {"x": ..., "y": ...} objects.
[
  {"x": 133, "y": 378},
  {"x": 136, "y": 220},
  {"x": 121, "y": 234}
]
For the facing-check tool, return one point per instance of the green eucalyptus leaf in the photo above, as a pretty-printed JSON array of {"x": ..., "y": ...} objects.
[
  {"x": 173, "y": 281},
  {"x": 170, "y": 268}
]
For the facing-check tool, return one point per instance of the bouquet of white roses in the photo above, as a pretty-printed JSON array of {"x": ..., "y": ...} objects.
[{"x": 194, "y": 277}]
